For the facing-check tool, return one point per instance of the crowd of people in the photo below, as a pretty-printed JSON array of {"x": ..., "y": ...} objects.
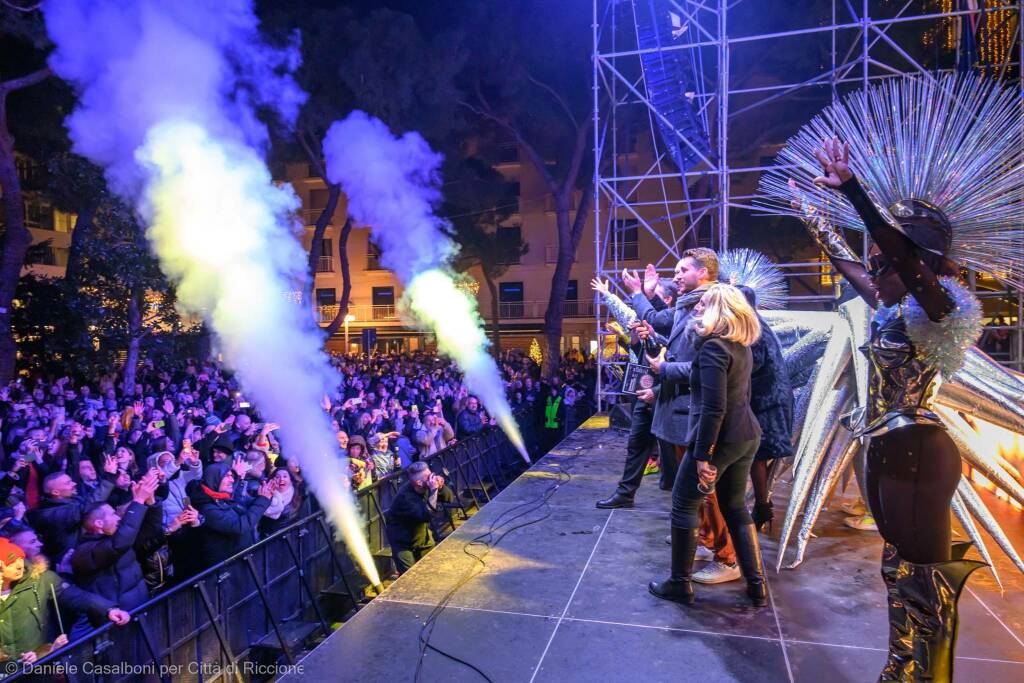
[{"x": 107, "y": 495}]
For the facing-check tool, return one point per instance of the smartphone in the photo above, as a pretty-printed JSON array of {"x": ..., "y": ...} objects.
[
  {"x": 185, "y": 502},
  {"x": 159, "y": 424},
  {"x": 244, "y": 404}
]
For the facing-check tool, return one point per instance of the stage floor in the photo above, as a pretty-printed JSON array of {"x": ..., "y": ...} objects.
[{"x": 566, "y": 599}]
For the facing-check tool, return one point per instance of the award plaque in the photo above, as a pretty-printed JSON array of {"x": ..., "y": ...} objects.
[{"x": 637, "y": 377}]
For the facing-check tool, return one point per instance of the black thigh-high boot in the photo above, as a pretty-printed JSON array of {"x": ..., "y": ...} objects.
[
  {"x": 930, "y": 593},
  {"x": 678, "y": 587},
  {"x": 901, "y": 642},
  {"x": 748, "y": 556}
]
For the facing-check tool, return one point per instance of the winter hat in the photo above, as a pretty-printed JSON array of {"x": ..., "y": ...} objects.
[{"x": 9, "y": 552}]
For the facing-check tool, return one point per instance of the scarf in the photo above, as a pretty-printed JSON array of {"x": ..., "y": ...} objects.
[{"x": 216, "y": 495}]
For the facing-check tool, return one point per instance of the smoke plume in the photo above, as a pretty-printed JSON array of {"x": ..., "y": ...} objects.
[
  {"x": 392, "y": 184},
  {"x": 169, "y": 92}
]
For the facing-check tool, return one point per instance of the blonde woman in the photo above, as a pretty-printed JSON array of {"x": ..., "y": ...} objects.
[{"x": 722, "y": 438}]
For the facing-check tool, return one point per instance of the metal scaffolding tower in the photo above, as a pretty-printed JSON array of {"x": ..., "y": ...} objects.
[{"x": 693, "y": 98}]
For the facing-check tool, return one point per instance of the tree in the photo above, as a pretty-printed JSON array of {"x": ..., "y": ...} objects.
[
  {"x": 127, "y": 295},
  {"x": 27, "y": 32},
  {"x": 478, "y": 201},
  {"x": 376, "y": 60},
  {"x": 537, "y": 91}
]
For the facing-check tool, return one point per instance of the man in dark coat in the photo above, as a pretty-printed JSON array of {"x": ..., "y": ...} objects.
[
  {"x": 230, "y": 519},
  {"x": 468, "y": 422},
  {"x": 104, "y": 562},
  {"x": 696, "y": 271},
  {"x": 408, "y": 519},
  {"x": 640, "y": 440},
  {"x": 59, "y": 515}
]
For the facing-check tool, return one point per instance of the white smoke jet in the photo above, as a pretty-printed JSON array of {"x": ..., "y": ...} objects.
[
  {"x": 167, "y": 95},
  {"x": 392, "y": 185}
]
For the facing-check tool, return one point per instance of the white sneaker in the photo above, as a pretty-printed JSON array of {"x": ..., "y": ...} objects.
[
  {"x": 704, "y": 554},
  {"x": 717, "y": 572},
  {"x": 854, "y": 508},
  {"x": 862, "y": 523}
]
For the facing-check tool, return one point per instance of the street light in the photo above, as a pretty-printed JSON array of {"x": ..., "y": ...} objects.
[{"x": 348, "y": 318}]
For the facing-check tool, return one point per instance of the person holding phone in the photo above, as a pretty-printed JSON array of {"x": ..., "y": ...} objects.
[{"x": 721, "y": 439}]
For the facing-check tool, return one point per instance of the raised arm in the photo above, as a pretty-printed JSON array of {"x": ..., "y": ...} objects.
[
  {"x": 831, "y": 241},
  {"x": 921, "y": 281}
]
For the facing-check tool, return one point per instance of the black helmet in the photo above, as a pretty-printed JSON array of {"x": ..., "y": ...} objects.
[{"x": 924, "y": 224}]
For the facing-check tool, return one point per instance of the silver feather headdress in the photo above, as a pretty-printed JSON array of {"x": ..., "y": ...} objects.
[
  {"x": 753, "y": 269},
  {"x": 953, "y": 141}
]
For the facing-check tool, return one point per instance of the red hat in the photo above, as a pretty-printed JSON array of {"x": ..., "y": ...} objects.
[{"x": 9, "y": 552}]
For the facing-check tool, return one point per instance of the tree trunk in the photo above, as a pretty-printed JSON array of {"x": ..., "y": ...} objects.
[
  {"x": 79, "y": 238},
  {"x": 346, "y": 280},
  {"x": 15, "y": 243},
  {"x": 568, "y": 240},
  {"x": 135, "y": 334},
  {"x": 316, "y": 247},
  {"x": 492, "y": 287}
]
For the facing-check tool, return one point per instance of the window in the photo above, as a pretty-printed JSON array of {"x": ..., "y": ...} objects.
[
  {"x": 383, "y": 300},
  {"x": 318, "y": 199},
  {"x": 326, "y": 296},
  {"x": 508, "y": 153},
  {"x": 38, "y": 215},
  {"x": 514, "y": 191},
  {"x": 373, "y": 256},
  {"x": 509, "y": 241},
  {"x": 64, "y": 222},
  {"x": 626, "y": 241},
  {"x": 325, "y": 264},
  {"x": 571, "y": 307},
  {"x": 510, "y": 299}
]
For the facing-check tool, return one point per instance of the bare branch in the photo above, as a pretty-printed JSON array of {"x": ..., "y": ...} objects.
[
  {"x": 558, "y": 98},
  {"x": 7, "y": 87},
  {"x": 19, "y": 8}
]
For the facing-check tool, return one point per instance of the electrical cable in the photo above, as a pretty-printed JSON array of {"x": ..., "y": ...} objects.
[{"x": 488, "y": 540}]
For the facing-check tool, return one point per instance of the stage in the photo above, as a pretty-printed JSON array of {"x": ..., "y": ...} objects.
[{"x": 565, "y": 599}]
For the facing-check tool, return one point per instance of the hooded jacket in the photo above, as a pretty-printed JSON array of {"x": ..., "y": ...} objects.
[
  {"x": 230, "y": 525},
  {"x": 27, "y": 617}
]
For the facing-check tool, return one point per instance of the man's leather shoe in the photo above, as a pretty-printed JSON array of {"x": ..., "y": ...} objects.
[{"x": 616, "y": 501}]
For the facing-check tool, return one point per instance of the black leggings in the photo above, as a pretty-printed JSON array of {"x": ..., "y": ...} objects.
[
  {"x": 912, "y": 473},
  {"x": 733, "y": 461}
]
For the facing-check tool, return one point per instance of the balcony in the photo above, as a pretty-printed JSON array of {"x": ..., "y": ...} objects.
[
  {"x": 310, "y": 216},
  {"x": 551, "y": 254},
  {"x": 363, "y": 313},
  {"x": 325, "y": 264},
  {"x": 525, "y": 310}
]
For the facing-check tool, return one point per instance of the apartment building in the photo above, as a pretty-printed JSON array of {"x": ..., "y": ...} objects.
[
  {"x": 50, "y": 227},
  {"x": 522, "y": 290}
]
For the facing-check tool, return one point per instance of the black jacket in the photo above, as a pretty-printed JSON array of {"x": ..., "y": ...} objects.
[
  {"x": 57, "y": 521},
  {"x": 229, "y": 526},
  {"x": 408, "y": 518},
  {"x": 27, "y": 617},
  {"x": 720, "y": 397},
  {"x": 108, "y": 566}
]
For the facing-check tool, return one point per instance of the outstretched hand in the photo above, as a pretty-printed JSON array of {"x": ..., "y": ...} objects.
[
  {"x": 650, "y": 280},
  {"x": 632, "y": 282},
  {"x": 834, "y": 157},
  {"x": 600, "y": 287}
]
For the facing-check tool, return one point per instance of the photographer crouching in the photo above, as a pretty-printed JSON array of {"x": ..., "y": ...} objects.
[{"x": 408, "y": 519}]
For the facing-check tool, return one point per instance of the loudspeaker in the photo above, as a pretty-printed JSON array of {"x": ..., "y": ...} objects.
[{"x": 620, "y": 416}]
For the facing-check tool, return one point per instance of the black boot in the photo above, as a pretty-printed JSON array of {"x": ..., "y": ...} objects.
[
  {"x": 763, "y": 514},
  {"x": 930, "y": 593},
  {"x": 678, "y": 587},
  {"x": 901, "y": 642},
  {"x": 616, "y": 501},
  {"x": 748, "y": 555}
]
